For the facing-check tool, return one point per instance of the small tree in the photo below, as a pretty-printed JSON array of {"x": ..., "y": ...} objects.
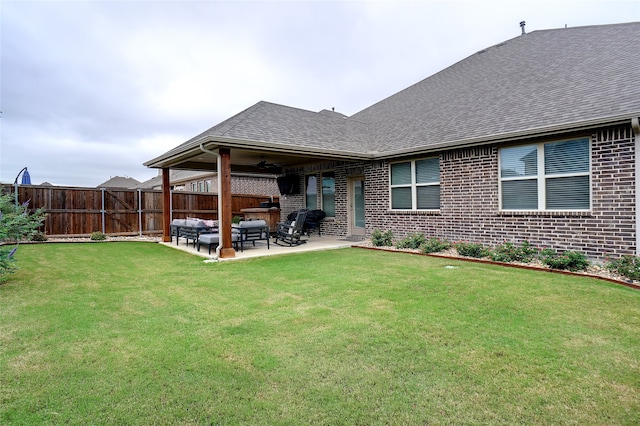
[{"x": 16, "y": 224}]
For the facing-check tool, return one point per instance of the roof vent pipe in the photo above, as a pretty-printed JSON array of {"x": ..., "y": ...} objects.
[{"x": 522, "y": 24}]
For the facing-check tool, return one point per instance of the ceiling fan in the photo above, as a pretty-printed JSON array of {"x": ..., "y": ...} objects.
[{"x": 263, "y": 165}]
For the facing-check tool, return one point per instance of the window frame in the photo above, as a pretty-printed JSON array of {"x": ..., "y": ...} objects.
[
  {"x": 414, "y": 185},
  {"x": 541, "y": 176},
  {"x": 321, "y": 191},
  {"x": 307, "y": 177}
]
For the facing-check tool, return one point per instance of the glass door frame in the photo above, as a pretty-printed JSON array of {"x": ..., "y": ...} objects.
[{"x": 354, "y": 230}]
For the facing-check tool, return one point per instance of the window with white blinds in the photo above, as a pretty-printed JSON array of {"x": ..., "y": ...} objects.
[
  {"x": 311, "y": 192},
  {"x": 415, "y": 185},
  {"x": 546, "y": 176},
  {"x": 329, "y": 193}
]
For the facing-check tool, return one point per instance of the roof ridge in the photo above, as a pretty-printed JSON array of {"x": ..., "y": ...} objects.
[{"x": 246, "y": 113}]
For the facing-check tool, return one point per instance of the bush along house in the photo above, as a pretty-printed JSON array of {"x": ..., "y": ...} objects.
[{"x": 531, "y": 139}]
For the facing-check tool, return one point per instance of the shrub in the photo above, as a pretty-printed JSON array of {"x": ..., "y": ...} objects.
[
  {"x": 39, "y": 236},
  {"x": 471, "y": 249},
  {"x": 435, "y": 245},
  {"x": 98, "y": 236},
  {"x": 509, "y": 252},
  {"x": 413, "y": 241},
  {"x": 382, "y": 239},
  {"x": 7, "y": 262},
  {"x": 628, "y": 266},
  {"x": 16, "y": 223},
  {"x": 569, "y": 260}
]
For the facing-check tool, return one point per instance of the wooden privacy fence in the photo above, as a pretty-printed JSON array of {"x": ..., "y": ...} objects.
[{"x": 114, "y": 211}]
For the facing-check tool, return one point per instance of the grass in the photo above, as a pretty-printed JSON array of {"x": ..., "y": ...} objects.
[{"x": 139, "y": 333}]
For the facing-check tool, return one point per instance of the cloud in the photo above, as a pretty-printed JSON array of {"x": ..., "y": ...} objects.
[{"x": 92, "y": 89}]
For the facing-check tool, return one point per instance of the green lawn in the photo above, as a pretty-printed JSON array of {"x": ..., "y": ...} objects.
[{"x": 140, "y": 333}]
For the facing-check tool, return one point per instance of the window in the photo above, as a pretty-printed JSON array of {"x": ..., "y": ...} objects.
[
  {"x": 415, "y": 185},
  {"x": 546, "y": 176},
  {"x": 329, "y": 193},
  {"x": 311, "y": 192}
]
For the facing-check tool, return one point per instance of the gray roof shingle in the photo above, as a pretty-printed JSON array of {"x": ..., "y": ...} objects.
[
  {"x": 543, "y": 81},
  {"x": 270, "y": 123},
  {"x": 119, "y": 182}
]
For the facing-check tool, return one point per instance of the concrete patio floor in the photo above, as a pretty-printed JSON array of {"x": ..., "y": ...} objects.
[{"x": 260, "y": 249}]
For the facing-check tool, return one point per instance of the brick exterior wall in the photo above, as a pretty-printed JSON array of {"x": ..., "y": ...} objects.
[
  {"x": 337, "y": 226},
  {"x": 470, "y": 207},
  {"x": 469, "y": 203},
  {"x": 253, "y": 186},
  {"x": 239, "y": 185}
]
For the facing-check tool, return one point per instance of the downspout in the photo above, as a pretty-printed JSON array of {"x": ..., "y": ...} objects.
[
  {"x": 635, "y": 125},
  {"x": 217, "y": 154}
]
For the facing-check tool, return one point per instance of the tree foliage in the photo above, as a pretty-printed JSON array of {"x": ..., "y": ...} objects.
[{"x": 17, "y": 223}]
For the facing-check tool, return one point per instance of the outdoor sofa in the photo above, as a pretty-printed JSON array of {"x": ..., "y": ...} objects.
[
  {"x": 190, "y": 229},
  {"x": 241, "y": 233}
]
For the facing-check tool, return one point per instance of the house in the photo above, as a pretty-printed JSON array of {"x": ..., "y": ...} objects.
[
  {"x": 207, "y": 181},
  {"x": 119, "y": 182},
  {"x": 531, "y": 139}
]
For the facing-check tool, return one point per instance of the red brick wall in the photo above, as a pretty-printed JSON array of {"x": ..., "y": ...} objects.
[
  {"x": 338, "y": 225},
  {"x": 470, "y": 208},
  {"x": 470, "y": 205}
]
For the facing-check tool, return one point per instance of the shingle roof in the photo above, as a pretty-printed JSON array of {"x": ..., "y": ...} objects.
[
  {"x": 270, "y": 123},
  {"x": 544, "y": 79},
  {"x": 537, "y": 83},
  {"x": 119, "y": 182}
]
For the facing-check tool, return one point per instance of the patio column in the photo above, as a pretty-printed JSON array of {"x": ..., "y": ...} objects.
[
  {"x": 166, "y": 206},
  {"x": 225, "y": 213}
]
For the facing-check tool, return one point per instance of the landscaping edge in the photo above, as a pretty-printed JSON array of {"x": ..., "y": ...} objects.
[{"x": 633, "y": 285}]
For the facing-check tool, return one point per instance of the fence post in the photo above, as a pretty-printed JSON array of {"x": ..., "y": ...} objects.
[
  {"x": 102, "y": 212},
  {"x": 140, "y": 212}
]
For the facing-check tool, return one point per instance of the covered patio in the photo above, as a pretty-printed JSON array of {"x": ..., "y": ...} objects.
[
  {"x": 313, "y": 243},
  {"x": 265, "y": 138}
]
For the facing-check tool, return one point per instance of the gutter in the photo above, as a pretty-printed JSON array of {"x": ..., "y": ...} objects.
[
  {"x": 505, "y": 137},
  {"x": 220, "y": 234},
  {"x": 635, "y": 125},
  {"x": 185, "y": 150},
  {"x": 256, "y": 145}
]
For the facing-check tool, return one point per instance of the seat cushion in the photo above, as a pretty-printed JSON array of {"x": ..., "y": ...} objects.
[
  {"x": 252, "y": 224},
  {"x": 214, "y": 238},
  {"x": 209, "y": 238}
]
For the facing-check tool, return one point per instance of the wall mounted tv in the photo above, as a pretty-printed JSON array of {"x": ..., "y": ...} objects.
[{"x": 288, "y": 184}]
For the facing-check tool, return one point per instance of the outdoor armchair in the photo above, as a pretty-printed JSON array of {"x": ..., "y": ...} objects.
[{"x": 290, "y": 232}]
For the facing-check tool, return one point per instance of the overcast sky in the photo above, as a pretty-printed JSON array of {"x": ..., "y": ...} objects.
[{"x": 92, "y": 89}]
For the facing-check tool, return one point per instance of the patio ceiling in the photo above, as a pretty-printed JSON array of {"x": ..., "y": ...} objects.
[{"x": 247, "y": 157}]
